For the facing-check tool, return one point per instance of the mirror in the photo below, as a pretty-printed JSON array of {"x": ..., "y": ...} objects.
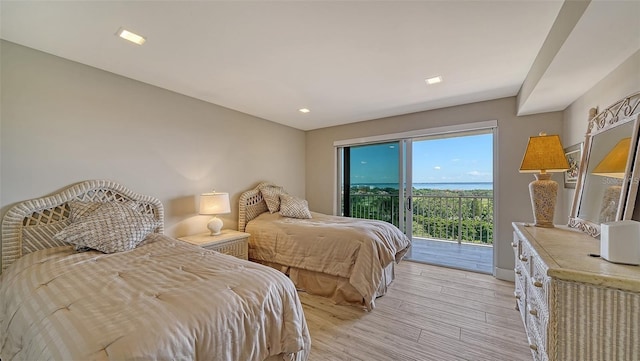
[{"x": 608, "y": 181}]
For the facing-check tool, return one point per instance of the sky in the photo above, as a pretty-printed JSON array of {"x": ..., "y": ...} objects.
[{"x": 467, "y": 159}]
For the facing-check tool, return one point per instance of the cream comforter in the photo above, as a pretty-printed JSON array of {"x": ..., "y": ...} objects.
[
  {"x": 352, "y": 248},
  {"x": 165, "y": 300}
]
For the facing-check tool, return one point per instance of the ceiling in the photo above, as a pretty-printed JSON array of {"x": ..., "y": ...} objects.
[{"x": 346, "y": 61}]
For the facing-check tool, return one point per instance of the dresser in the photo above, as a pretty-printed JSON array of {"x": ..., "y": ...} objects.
[{"x": 574, "y": 305}]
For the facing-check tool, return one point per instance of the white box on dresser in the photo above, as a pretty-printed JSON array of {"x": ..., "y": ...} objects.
[{"x": 574, "y": 306}]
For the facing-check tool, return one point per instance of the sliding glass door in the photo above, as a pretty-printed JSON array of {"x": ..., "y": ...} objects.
[
  {"x": 437, "y": 188},
  {"x": 373, "y": 182}
]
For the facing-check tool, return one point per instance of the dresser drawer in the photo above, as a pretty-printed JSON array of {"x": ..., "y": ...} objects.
[
  {"x": 521, "y": 297},
  {"x": 515, "y": 244},
  {"x": 536, "y": 344},
  {"x": 537, "y": 316},
  {"x": 523, "y": 258},
  {"x": 539, "y": 281}
]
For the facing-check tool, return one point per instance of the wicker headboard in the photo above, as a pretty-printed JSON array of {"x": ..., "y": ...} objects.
[
  {"x": 30, "y": 225},
  {"x": 251, "y": 205}
]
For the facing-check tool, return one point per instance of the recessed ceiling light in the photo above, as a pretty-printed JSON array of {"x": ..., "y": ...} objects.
[
  {"x": 434, "y": 80},
  {"x": 304, "y": 110},
  {"x": 132, "y": 37}
]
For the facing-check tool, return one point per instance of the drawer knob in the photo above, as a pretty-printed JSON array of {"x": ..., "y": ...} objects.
[
  {"x": 533, "y": 347},
  {"x": 536, "y": 283},
  {"x": 523, "y": 258},
  {"x": 533, "y": 312},
  {"x": 518, "y": 272},
  {"x": 517, "y": 295},
  {"x": 514, "y": 244}
]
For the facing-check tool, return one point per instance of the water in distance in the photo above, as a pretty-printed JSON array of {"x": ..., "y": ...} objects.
[{"x": 442, "y": 186}]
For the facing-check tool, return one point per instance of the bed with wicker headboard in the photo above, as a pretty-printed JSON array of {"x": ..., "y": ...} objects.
[
  {"x": 348, "y": 260},
  {"x": 160, "y": 298},
  {"x": 30, "y": 225}
]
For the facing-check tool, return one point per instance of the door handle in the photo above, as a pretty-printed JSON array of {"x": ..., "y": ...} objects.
[{"x": 409, "y": 205}]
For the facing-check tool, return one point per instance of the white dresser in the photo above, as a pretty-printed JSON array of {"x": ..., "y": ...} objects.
[{"x": 574, "y": 306}]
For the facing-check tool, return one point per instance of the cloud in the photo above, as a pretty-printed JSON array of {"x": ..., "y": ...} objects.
[
  {"x": 363, "y": 162},
  {"x": 436, "y": 167},
  {"x": 455, "y": 159}
]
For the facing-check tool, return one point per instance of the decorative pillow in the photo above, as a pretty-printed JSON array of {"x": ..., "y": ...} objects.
[
  {"x": 271, "y": 195},
  {"x": 294, "y": 207},
  {"x": 80, "y": 209},
  {"x": 112, "y": 227}
]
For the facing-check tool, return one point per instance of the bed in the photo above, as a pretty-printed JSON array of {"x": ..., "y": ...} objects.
[
  {"x": 348, "y": 260},
  {"x": 163, "y": 299}
]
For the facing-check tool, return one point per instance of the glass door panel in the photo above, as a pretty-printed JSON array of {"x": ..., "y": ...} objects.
[{"x": 371, "y": 182}]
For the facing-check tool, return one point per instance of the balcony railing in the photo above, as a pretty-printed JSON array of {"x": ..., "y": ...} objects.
[{"x": 460, "y": 218}]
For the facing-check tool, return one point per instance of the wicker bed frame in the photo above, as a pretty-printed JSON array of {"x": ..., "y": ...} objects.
[
  {"x": 251, "y": 205},
  {"x": 28, "y": 226}
]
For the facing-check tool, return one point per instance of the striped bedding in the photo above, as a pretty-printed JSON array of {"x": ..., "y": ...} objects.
[
  {"x": 357, "y": 250},
  {"x": 164, "y": 300}
]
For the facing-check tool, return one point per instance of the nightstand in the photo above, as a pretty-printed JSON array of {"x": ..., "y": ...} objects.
[{"x": 230, "y": 242}]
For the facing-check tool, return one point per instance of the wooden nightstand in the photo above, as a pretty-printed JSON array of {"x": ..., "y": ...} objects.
[{"x": 230, "y": 242}]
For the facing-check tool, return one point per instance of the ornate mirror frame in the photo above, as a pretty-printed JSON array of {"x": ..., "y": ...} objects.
[{"x": 606, "y": 127}]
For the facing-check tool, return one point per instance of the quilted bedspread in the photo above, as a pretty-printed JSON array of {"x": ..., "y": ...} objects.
[
  {"x": 165, "y": 300},
  {"x": 352, "y": 248}
]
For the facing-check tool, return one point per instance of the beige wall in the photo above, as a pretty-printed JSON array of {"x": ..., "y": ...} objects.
[
  {"x": 63, "y": 122},
  {"x": 512, "y": 197},
  {"x": 623, "y": 81}
]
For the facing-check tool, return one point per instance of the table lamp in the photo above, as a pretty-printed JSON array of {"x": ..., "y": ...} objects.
[
  {"x": 613, "y": 165},
  {"x": 214, "y": 203},
  {"x": 544, "y": 155}
]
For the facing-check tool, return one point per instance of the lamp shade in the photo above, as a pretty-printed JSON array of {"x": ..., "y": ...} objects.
[
  {"x": 544, "y": 154},
  {"x": 214, "y": 203},
  {"x": 615, "y": 163}
]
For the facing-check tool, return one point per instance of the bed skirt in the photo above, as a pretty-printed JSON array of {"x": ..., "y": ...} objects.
[{"x": 338, "y": 289}]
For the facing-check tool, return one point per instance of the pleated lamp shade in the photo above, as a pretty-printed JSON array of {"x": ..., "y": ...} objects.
[
  {"x": 615, "y": 163},
  {"x": 544, "y": 154}
]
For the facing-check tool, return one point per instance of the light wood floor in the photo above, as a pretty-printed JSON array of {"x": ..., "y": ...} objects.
[
  {"x": 466, "y": 256},
  {"x": 429, "y": 313}
]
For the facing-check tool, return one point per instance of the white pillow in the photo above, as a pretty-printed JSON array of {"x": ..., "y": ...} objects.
[
  {"x": 294, "y": 207},
  {"x": 112, "y": 227}
]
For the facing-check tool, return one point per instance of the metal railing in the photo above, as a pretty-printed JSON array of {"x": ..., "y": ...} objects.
[{"x": 461, "y": 218}]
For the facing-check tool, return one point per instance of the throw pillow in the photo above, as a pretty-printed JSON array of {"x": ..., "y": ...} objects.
[
  {"x": 113, "y": 227},
  {"x": 271, "y": 195},
  {"x": 294, "y": 207},
  {"x": 79, "y": 209}
]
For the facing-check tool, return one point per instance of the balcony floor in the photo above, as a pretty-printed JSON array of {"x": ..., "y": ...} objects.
[{"x": 465, "y": 256}]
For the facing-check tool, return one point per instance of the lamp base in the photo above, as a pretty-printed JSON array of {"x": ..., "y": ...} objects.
[
  {"x": 215, "y": 226},
  {"x": 609, "y": 207},
  {"x": 543, "y": 192}
]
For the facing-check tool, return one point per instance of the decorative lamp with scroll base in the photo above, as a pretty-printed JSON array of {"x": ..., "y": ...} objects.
[{"x": 544, "y": 155}]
